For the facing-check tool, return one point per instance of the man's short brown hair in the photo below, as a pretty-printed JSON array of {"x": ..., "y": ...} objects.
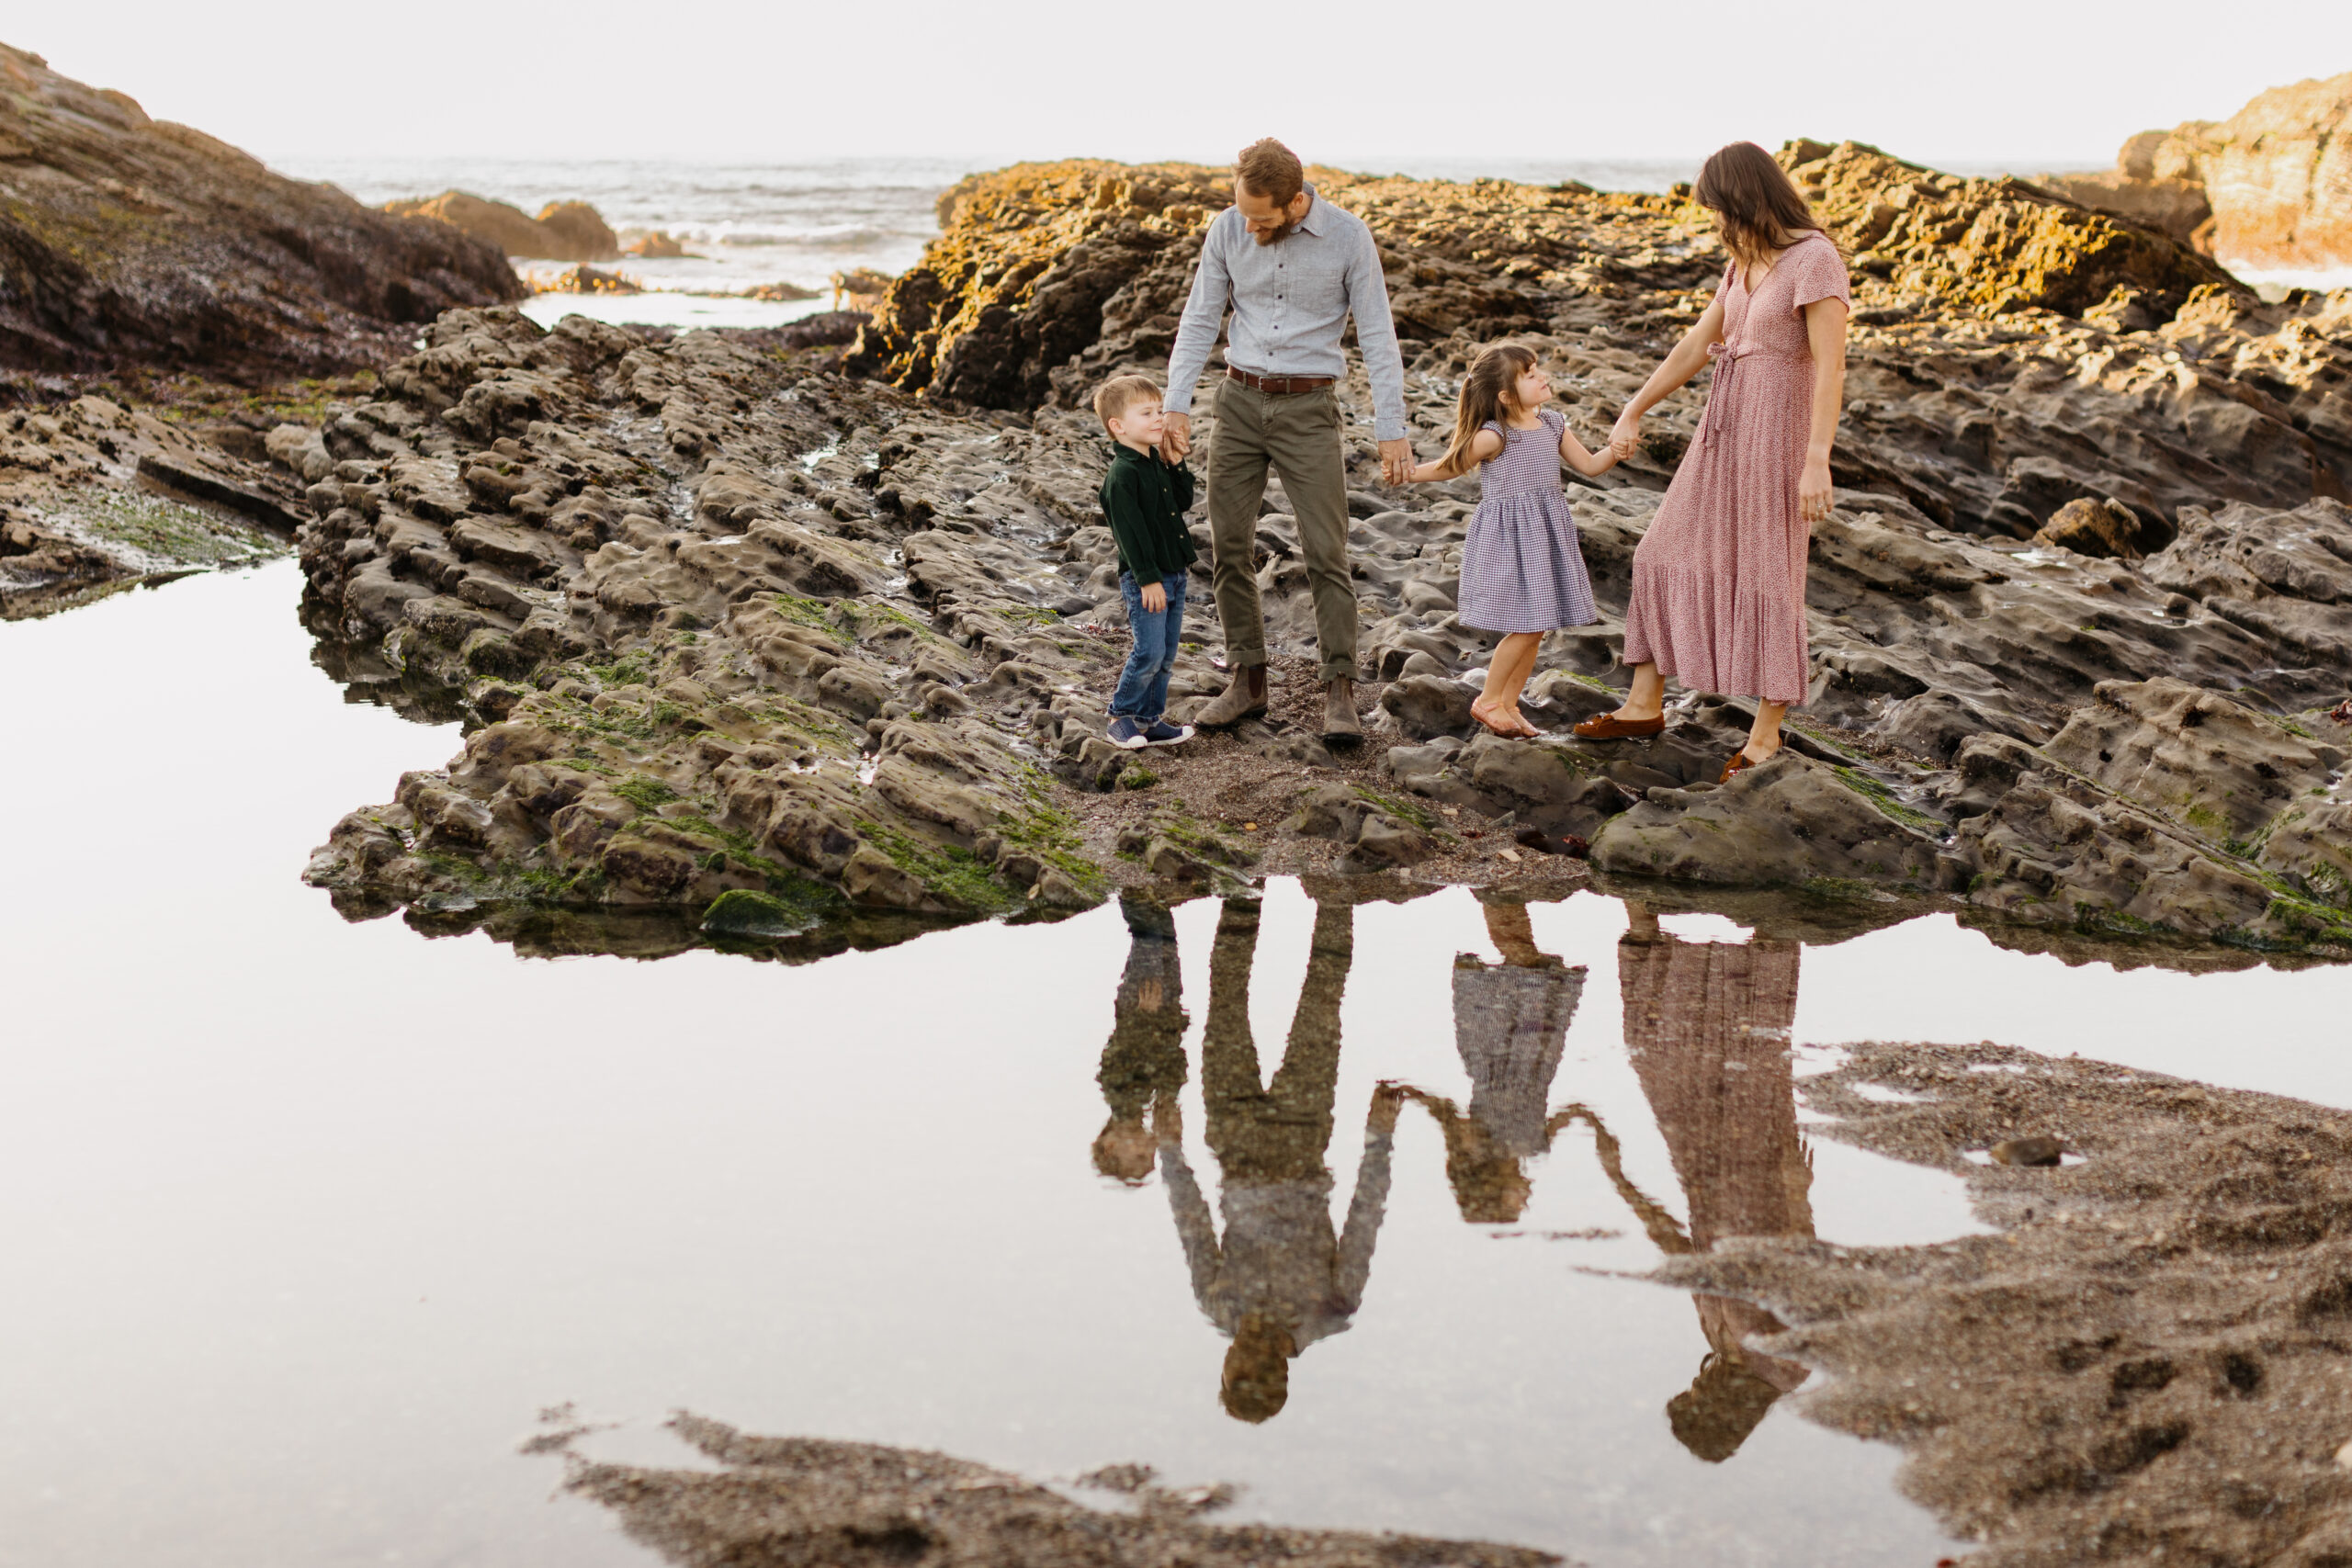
[
  {"x": 1272, "y": 171},
  {"x": 1115, "y": 397}
]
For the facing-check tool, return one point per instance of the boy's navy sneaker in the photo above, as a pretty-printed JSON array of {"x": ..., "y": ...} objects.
[
  {"x": 1126, "y": 734},
  {"x": 1163, "y": 733}
]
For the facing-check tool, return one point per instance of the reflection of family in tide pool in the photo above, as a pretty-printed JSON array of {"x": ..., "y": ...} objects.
[{"x": 1706, "y": 1026}]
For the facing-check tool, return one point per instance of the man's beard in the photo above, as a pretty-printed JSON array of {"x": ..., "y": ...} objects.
[{"x": 1275, "y": 236}]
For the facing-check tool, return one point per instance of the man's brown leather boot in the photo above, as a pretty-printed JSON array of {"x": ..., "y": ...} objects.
[
  {"x": 1341, "y": 725},
  {"x": 1245, "y": 696}
]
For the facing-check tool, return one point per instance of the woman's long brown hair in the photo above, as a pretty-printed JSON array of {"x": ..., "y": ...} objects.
[
  {"x": 1761, "y": 210},
  {"x": 1486, "y": 395}
]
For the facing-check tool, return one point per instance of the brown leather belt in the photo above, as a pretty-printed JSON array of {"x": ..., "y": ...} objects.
[{"x": 1278, "y": 386}]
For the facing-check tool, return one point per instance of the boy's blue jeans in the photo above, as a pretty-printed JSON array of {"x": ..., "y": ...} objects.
[{"x": 1143, "y": 685}]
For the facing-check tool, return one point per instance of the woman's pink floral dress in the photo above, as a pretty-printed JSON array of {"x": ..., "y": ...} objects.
[{"x": 1718, "y": 596}]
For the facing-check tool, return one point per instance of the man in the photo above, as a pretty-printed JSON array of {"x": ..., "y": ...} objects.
[{"x": 1293, "y": 267}]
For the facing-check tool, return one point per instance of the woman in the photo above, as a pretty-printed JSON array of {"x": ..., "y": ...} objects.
[{"x": 1718, "y": 597}]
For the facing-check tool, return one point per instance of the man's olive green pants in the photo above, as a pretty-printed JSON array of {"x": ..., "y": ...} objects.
[{"x": 1299, "y": 435}]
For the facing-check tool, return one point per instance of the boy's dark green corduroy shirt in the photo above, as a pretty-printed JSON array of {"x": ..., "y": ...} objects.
[{"x": 1144, "y": 502}]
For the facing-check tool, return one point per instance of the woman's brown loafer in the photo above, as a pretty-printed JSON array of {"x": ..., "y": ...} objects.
[
  {"x": 1609, "y": 726},
  {"x": 1738, "y": 760}
]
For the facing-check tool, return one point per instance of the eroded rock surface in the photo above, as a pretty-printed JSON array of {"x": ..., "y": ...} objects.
[
  {"x": 93, "y": 493},
  {"x": 787, "y": 1501},
  {"x": 130, "y": 241},
  {"x": 2144, "y": 1363}
]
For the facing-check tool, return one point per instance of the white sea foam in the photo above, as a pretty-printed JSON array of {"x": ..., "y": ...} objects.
[{"x": 2273, "y": 283}]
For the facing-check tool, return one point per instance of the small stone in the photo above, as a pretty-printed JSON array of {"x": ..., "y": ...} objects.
[
  {"x": 2343, "y": 1457},
  {"x": 2028, "y": 1151}
]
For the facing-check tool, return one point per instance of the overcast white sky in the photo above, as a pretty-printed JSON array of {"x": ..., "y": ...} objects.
[{"x": 1976, "y": 81}]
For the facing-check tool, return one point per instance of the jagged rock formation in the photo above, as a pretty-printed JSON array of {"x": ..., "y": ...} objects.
[
  {"x": 2144, "y": 1363},
  {"x": 2012, "y": 351},
  {"x": 687, "y": 611},
  {"x": 1019, "y": 280},
  {"x": 125, "y": 239},
  {"x": 2270, "y": 187},
  {"x": 739, "y": 625},
  {"x": 781, "y": 1502},
  {"x": 564, "y": 230}
]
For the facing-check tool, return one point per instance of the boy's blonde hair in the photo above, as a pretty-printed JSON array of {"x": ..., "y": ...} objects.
[{"x": 1115, "y": 397}]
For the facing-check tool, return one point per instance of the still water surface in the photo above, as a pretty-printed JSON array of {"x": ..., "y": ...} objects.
[{"x": 305, "y": 1221}]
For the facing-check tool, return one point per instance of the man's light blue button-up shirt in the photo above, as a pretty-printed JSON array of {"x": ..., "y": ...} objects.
[{"x": 1291, "y": 301}]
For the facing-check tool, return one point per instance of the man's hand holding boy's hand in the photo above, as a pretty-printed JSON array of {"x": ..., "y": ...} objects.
[
  {"x": 1155, "y": 598},
  {"x": 1176, "y": 437}
]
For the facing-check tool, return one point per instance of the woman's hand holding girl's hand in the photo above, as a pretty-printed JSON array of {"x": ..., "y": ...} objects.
[
  {"x": 1813, "y": 490},
  {"x": 1625, "y": 436}
]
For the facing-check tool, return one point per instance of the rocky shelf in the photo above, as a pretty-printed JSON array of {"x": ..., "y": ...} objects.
[{"x": 784, "y": 640}]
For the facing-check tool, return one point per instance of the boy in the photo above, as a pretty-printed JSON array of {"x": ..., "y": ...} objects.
[{"x": 1144, "y": 500}]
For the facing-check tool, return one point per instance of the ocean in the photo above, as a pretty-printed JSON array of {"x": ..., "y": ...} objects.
[
  {"x": 752, "y": 223},
  {"x": 749, "y": 224}
]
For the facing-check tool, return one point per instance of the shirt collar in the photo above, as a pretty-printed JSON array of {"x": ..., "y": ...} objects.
[{"x": 1316, "y": 213}]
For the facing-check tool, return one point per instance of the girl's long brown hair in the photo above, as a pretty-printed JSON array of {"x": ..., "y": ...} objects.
[
  {"x": 1761, "y": 210},
  {"x": 1486, "y": 395}
]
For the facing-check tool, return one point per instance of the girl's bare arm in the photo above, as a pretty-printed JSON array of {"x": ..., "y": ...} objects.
[
  {"x": 1824, "y": 328},
  {"x": 1483, "y": 446},
  {"x": 1590, "y": 466}
]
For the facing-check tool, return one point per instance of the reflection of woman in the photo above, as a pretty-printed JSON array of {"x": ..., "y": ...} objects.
[
  {"x": 1510, "y": 1023},
  {"x": 1707, "y": 1027},
  {"x": 1144, "y": 1060}
]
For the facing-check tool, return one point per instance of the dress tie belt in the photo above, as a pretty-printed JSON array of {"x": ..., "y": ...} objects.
[{"x": 1726, "y": 361}]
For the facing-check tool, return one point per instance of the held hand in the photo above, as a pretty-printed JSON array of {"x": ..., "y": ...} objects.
[
  {"x": 1625, "y": 436},
  {"x": 1176, "y": 437},
  {"x": 1813, "y": 490},
  {"x": 1155, "y": 599},
  {"x": 1396, "y": 462}
]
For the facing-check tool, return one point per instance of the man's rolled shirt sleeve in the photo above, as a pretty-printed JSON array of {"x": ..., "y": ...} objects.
[
  {"x": 1384, "y": 363},
  {"x": 1204, "y": 317}
]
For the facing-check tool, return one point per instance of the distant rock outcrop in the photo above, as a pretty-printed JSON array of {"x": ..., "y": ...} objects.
[
  {"x": 2269, "y": 187},
  {"x": 564, "y": 230},
  {"x": 125, "y": 239}
]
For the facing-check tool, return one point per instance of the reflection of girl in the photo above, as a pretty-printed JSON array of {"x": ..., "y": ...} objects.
[
  {"x": 1144, "y": 1059},
  {"x": 1510, "y": 1023},
  {"x": 1707, "y": 1027}
]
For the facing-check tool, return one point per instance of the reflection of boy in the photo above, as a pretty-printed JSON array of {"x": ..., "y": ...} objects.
[
  {"x": 1280, "y": 1278},
  {"x": 1144, "y": 1060}
]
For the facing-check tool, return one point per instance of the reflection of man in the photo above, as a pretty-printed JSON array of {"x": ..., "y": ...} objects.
[
  {"x": 1278, "y": 1278},
  {"x": 1707, "y": 1026},
  {"x": 1143, "y": 1062},
  {"x": 1293, "y": 267}
]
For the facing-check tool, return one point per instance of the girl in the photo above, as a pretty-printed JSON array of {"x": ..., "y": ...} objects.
[
  {"x": 1521, "y": 572},
  {"x": 1718, "y": 594}
]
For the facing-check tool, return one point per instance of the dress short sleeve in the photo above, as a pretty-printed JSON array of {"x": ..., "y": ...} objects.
[
  {"x": 1818, "y": 273},
  {"x": 1554, "y": 420}
]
